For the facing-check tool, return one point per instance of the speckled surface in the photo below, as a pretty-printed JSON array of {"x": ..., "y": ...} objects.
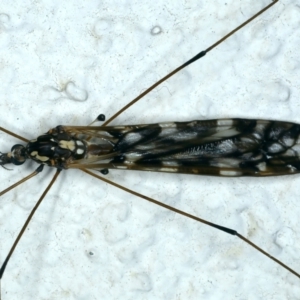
[{"x": 65, "y": 64}]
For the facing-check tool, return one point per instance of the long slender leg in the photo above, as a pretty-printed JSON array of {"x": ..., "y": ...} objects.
[
  {"x": 37, "y": 171},
  {"x": 193, "y": 59},
  {"x": 14, "y": 135},
  {"x": 2, "y": 269},
  {"x": 224, "y": 229}
]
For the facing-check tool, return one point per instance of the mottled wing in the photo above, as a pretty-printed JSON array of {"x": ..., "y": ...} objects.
[{"x": 224, "y": 147}]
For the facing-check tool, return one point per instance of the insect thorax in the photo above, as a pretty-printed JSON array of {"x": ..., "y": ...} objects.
[{"x": 56, "y": 148}]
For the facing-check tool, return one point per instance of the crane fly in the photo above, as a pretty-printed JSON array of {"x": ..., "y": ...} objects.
[{"x": 141, "y": 277}]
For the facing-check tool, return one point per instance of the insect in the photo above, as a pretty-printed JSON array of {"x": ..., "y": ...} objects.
[{"x": 134, "y": 271}]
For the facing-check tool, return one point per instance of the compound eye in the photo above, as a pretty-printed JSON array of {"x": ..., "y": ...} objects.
[{"x": 18, "y": 155}]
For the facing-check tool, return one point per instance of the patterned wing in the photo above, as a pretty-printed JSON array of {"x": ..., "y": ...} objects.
[{"x": 223, "y": 147}]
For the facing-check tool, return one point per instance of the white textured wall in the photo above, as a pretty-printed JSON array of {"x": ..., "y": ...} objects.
[{"x": 64, "y": 63}]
